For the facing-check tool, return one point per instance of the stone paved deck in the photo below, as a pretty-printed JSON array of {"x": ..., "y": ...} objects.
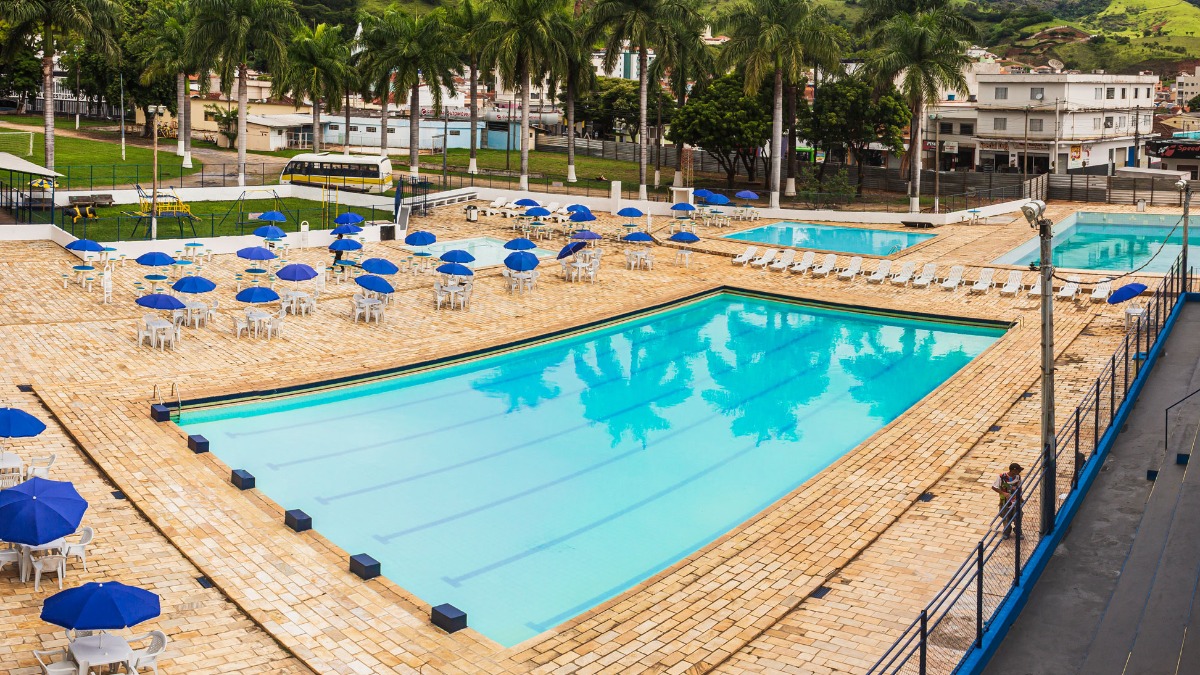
[{"x": 738, "y": 605}]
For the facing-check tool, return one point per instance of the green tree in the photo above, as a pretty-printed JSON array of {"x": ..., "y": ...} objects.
[
  {"x": 612, "y": 104},
  {"x": 640, "y": 25},
  {"x": 231, "y": 32},
  {"x": 847, "y": 113},
  {"x": 578, "y": 75},
  {"x": 688, "y": 63},
  {"x": 374, "y": 65},
  {"x": 52, "y": 21},
  {"x": 333, "y": 12},
  {"x": 317, "y": 68},
  {"x": 165, "y": 54},
  {"x": 20, "y": 71},
  {"x": 466, "y": 18},
  {"x": 524, "y": 38},
  {"x": 1194, "y": 103},
  {"x": 724, "y": 121},
  {"x": 778, "y": 39}
]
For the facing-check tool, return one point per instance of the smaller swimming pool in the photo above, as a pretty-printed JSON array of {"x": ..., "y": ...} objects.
[
  {"x": 1113, "y": 242},
  {"x": 488, "y": 251},
  {"x": 857, "y": 240}
]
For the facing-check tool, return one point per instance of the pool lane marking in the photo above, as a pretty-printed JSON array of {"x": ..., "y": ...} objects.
[{"x": 537, "y": 441}]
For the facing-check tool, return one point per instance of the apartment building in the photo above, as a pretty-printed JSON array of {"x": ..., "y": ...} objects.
[{"x": 1187, "y": 87}]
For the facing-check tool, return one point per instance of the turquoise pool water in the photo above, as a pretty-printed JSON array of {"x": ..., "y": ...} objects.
[
  {"x": 488, "y": 251},
  {"x": 1117, "y": 242},
  {"x": 855, "y": 240},
  {"x": 526, "y": 488}
]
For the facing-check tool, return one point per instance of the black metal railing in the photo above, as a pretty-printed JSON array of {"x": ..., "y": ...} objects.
[
  {"x": 233, "y": 221},
  {"x": 956, "y": 621}
]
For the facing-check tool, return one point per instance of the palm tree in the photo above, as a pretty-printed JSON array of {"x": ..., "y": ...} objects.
[
  {"x": 164, "y": 45},
  {"x": 317, "y": 68},
  {"x": 578, "y": 75},
  {"x": 776, "y": 38},
  {"x": 232, "y": 31},
  {"x": 685, "y": 60},
  {"x": 372, "y": 62},
  {"x": 524, "y": 37},
  {"x": 52, "y": 20},
  {"x": 642, "y": 25},
  {"x": 928, "y": 53},
  {"x": 466, "y": 18}
]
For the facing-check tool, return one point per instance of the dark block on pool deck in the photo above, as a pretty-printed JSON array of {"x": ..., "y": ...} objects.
[
  {"x": 160, "y": 412},
  {"x": 364, "y": 566},
  {"x": 449, "y": 618},
  {"x": 198, "y": 443},
  {"x": 242, "y": 479},
  {"x": 1182, "y": 457},
  {"x": 297, "y": 520}
]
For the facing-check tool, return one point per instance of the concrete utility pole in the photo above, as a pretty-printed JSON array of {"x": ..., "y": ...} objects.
[{"x": 1035, "y": 212}]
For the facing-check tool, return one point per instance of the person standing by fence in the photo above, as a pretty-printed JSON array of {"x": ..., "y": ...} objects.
[{"x": 1007, "y": 485}]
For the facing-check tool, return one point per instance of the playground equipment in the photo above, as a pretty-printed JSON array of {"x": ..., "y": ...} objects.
[{"x": 170, "y": 205}]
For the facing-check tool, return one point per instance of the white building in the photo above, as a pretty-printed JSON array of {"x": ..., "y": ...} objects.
[{"x": 1187, "y": 87}]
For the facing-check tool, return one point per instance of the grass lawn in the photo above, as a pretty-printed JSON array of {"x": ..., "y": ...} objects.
[
  {"x": 215, "y": 218},
  {"x": 63, "y": 121},
  {"x": 91, "y": 164}
]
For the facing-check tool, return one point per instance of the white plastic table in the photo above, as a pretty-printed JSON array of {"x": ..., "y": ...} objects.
[{"x": 100, "y": 650}]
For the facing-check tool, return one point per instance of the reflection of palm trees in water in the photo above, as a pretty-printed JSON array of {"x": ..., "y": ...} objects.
[
  {"x": 892, "y": 379},
  {"x": 628, "y": 401},
  {"x": 761, "y": 387},
  {"x": 520, "y": 383}
]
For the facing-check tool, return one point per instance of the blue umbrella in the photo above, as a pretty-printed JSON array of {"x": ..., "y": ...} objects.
[
  {"x": 344, "y": 245},
  {"x": 630, "y": 212},
  {"x": 457, "y": 256},
  {"x": 571, "y": 249},
  {"x": 684, "y": 238},
  {"x": 85, "y": 245},
  {"x": 296, "y": 272},
  {"x": 272, "y": 216},
  {"x": 455, "y": 269},
  {"x": 270, "y": 232},
  {"x": 683, "y": 206},
  {"x": 256, "y": 294},
  {"x": 537, "y": 212},
  {"x": 155, "y": 259},
  {"x": 106, "y": 605},
  {"x": 379, "y": 266},
  {"x": 420, "y": 238},
  {"x": 576, "y": 208},
  {"x": 702, "y": 193},
  {"x": 526, "y": 202},
  {"x": 746, "y": 194},
  {"x": 638, "y": 237},
  {"x": 348, "y": 218},
  {"x": 193, "y": 285},
  {"x": 718, "y": 200},
  {"x": 521, "y": 261},
  {"x": 346, "y": 229},
  {"x": 160, "y": 301},
  {"x": 256, "y": 253},
  {"x": 582, "y": 217},
  {"x": 586, "y": 235},
  {"x": 374, "y": 284},
  {"x": 39, "y": 511},
  {"x": 1126, "y": 292},
  {"x": 520, "y": 244},
  {"x": 16, "y": 423}
]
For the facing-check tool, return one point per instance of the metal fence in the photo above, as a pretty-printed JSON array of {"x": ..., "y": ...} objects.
[
  {"x": 1115, "y": 189},
  {"x": 956, "y": 621}
]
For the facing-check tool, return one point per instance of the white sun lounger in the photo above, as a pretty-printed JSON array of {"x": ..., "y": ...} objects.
[
  {"x": 785, "y": 260},
  {"x": 1013, "y": 285},
  {"x": 764, "y": 259},
  {"x": 984, "y": 283},
  {"x": 746, "y": 255},
  {"x": 881, "y": 273},
  {"x": 1069, "y": 289},
  {"x": 905, "y": 274},
  {"x": 494, "y": 208},
  {"x": 805, "y": 264},
  {"x": 850, "y": 271},
  {"x": 1101, "y": 292},
  {"x": 928, "y": 276},
  {"x": 826, "y": 266},
  {"x": 1036, "y": 288},
  {"x": 954, "y": 279}
]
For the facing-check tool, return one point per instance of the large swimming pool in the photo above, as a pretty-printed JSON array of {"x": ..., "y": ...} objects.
[
  {"x": 527, "y": 487},
  {"x": 1117, "y": 242},
  {"x": 855, "y": 240},
  {"x": 487, "y": 251}
]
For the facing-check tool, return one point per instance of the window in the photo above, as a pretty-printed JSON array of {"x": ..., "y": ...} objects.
[
  {"x": 1121, "y": 122},
  {"x": 1122, "y": 93},
  {"x": 1037, "y": 93},
  {"x": 1001, "y": 93},
  {"x": 966, "y": 129},
  {"x": 1147, "y": 92},
  {"x": 946, "y": 127},
  {"x": 1135, "y": 92},
  {"x": 456, "y": 132},
  {"x": 1035, "y": 125},
  {"x": 334, "y": 127},
  {"x": 1108, "y": 122},
  {"x": 1110, "y": 93},
  {"x": 372, "y": 130},
  {"x": 1146, "y": 120},
  {"x": 1000, "y": 124},
  {"x": 1096, "y": 123},
  {"x": 353, "y": 128},
  {"x": 391, "y": 130},
  {"x": 1099, "y": 93}
]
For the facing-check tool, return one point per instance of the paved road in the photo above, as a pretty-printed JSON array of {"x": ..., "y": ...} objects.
[{"x": 1119, "y": 594}]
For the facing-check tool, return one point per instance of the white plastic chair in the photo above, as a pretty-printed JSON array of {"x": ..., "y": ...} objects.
[
  {"x": 1069, "y": 289},
  {"x": 143, "y": 334},
  {"x": 440, "y": 295},
  {"x": 359, "y": 309},
  {"x": 241, "y": 324},
  {"x": 805, "y": 263},
  {"x": 56, "y": 563},
  {"x": 1101, "y": 292},
  {"x": 9, "y": 555},
  {"x": 928, "y": 276},
  {"x": 78, "y": 549},
  {"x": 39, "y": 466},
  {"x": 148, "y": 657},
  {"x": 905, "y": 274},
  {"x": 10, "y": 479},
  {"x": 746, "y": 255},
  {"x": 785, "y": 260},
  {"x": 56, "y": 662},
  {"x": 850, "y": 271},
  {"x": 954, "y": 279},
  {"x": 1012, "y": 286},
  {"x": 881, "y": 273},
  {"x": 765, "y": 259},
  {"x": 984, "y": 283},
  {"x": 826, "y": 267},
  {"x": 1036, "y": 288}
]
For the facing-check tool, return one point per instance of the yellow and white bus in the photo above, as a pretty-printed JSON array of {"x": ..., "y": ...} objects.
[{"x": 347, "y": 172}]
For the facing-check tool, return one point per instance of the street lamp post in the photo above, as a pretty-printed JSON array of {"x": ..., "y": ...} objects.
[
  {"x": 154, "y": 111},
  {"x": 1035, "y": 213},
  {"x": 936, "y": 118}
]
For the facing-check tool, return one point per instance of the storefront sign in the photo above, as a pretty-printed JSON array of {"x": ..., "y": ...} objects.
[
  {"x": 1174, "y": 149},
  {"x": 950, "y": 147},
  {"x": 994, "y": 145},
  {"x": 1080, "y": 155}
]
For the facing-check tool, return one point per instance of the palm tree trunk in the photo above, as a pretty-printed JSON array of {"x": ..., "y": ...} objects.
[
  {"x": 318, "y": 139},
  {"x": 414, "y": 130},
  {"x": 790, "y": 189},
  {"x": 48, "y": 93},
  {"x": 525, "y": 85},
  {"x": 472, "y": 166},
  {"x": 186, "y": 120},
  {"x": 914, "y": 194},
  {"x": 681, "y": 97},
  {"x": 776, "y": 138},
  {"x": 643, "y": 105},
  {"x": 180, "y": 83},
  {"x": 346, "y": 147},
  {"x": 658, "y": 146},
  {"x": 383, "y": 114},
  {"x": 243, "y": 103},
  {"x": 571, "y": 126}
]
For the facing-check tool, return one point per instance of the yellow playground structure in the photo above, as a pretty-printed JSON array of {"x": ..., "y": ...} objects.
[{"x": 169, "y": 204}]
